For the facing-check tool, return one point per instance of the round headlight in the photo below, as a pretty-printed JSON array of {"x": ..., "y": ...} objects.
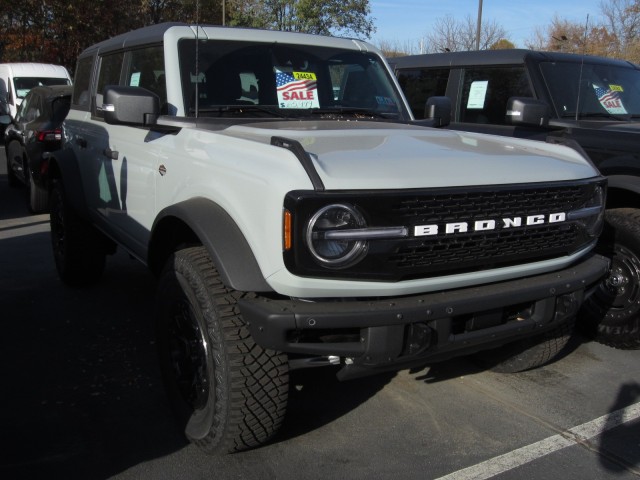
[{"x": 328, "y": 239}]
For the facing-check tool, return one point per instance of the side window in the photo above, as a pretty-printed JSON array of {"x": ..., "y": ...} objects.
[
  {"x": 418, "y": 84},
  {"x": 82, "y": 80},
  {"x": 146, "y": 70},
  {"x": 110, "y": 68},
  {"x": 485, "y": 91}
]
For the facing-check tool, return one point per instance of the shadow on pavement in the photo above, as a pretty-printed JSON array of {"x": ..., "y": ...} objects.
[
  {"x": 82, "y": 394},
  {"x": 620, "y": 444},
  {"x": 317, "y": 397}
]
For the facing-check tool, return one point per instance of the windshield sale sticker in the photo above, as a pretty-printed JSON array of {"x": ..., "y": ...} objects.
[
  {"x": 297, "y": 89},
  {"x": 610, "y": 100}
]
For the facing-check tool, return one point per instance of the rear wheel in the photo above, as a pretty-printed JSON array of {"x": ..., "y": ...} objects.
[
  {"x": 612, "y": 313},
  {"x": 229, "y": 392},
  {"x": 78, "y": 248}
]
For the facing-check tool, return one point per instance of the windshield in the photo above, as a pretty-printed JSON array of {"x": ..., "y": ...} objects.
[
  {"x": 22, "y": 85},
  {"x": 285, "y": 80},
  {"x": 605, "y": 91}
]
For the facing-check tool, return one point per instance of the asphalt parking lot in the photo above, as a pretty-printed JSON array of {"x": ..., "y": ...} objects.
[{"x": 82, "y": 397}]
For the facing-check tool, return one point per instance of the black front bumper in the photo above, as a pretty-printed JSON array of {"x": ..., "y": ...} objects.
[{"x": 393, "y": 333}]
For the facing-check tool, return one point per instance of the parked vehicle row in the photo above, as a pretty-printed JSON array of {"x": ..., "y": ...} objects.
[{"x": 297, "y": 214}]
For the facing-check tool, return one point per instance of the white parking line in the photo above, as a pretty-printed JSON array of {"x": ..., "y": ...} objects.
[
  {"x": 568, "y": 438},
  {"x": 20, "y": 227}
]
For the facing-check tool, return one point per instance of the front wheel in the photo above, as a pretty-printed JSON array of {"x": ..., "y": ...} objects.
[
  {"x": 229, "y": 392},
  {"x": 612, "y": 312}
]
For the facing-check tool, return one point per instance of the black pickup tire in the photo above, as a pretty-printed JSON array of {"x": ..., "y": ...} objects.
[
  {"x": 78, "y": 248},
  {"x": 612, "y": 314},
  {"x": 529, "y": 353},
  {"x": 229, "y": 393}
]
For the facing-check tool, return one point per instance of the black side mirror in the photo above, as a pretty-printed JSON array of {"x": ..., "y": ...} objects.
[
  {"x": 527, "y": 111},
  {"x": 438, "y": 109},
  {"x": 135, "y": 106}
]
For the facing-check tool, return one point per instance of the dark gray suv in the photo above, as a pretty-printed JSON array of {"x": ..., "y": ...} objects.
[{"x": 34, "y": 133}]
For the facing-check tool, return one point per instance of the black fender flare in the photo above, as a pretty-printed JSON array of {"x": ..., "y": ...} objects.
[
  {"x": 218, "y": 233},
  {"x": 64, "y": 164},
  {"x": 625, "y": 182}
]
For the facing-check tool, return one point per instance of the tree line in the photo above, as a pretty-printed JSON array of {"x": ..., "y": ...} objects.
[
  {"x": 56, "y": 31},
  {"x": 613, "y": 32}
]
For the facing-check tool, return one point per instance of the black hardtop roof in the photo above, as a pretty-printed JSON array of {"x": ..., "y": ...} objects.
[
  {"x": 154, "y": 34},
  {"x": 142, "y": 36},
  {"x": 498, "y": 57}
]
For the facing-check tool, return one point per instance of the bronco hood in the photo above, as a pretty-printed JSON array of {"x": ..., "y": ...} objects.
[{"x": 380, "y": 155}]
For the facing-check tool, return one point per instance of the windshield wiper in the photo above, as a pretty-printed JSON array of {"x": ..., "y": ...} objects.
[
  {"x": 239, "y": 109},
  {"x": 359, "y": 112},
  {"x": 604, "y": 115}
]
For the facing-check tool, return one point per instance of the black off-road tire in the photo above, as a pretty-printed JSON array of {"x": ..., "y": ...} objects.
[
  {"x": 612, "y": 314},
  {"x": 78, "y": 248},
  {"x": 228, "y": 392},
  {"x": 529, "y": 353}
]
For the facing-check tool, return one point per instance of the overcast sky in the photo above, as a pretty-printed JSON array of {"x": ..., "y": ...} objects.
[{"x": 409, "y": 20}]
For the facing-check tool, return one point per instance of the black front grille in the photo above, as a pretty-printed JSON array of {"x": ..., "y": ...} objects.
[
  {"x": 461, "y": 251},
  {"x": 487, "y": 204},
  {"x": 465, "y": 250},
  {"x": 442, "y": 253}
]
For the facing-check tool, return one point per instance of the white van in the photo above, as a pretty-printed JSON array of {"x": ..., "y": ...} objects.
[{"x": 16, "y": 79}]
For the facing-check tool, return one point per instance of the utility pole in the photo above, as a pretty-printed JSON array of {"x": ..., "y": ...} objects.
[{"x": 479, "y": 27}]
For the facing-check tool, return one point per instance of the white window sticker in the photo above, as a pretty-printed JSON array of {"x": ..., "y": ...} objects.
[
  {"x": 610, "y": 99},
  {"x": 135, "y": 79},
  {"x": 477, "y": 94},
  {"x": 297, "y": 89}
]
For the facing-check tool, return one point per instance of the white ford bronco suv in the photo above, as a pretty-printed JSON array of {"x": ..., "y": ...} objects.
[{"x": 296, "y": 214}]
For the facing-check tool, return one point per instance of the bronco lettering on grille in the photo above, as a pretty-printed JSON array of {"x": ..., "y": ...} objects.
[{"x": 485, "y": 225}]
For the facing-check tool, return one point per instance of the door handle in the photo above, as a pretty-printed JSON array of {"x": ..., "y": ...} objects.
[{"x": 112, "y": 154}]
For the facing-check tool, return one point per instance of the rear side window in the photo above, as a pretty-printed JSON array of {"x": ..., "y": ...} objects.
[
  {"x": 82, "y": 81},
  {"x": 485, "y": 91},
  {"x": 419, "y": 84}
]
